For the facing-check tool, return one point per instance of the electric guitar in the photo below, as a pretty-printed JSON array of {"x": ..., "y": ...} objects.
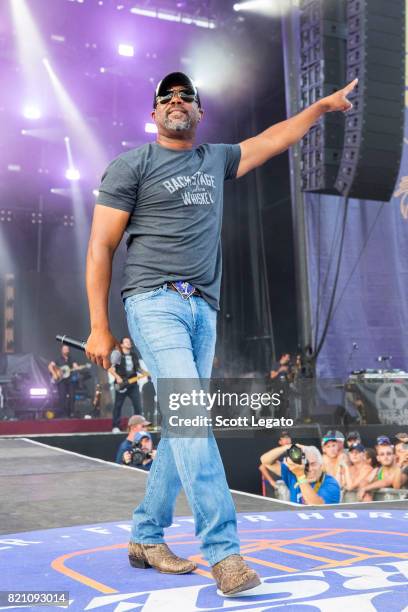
[
  {"x": 63, "y": 372},
  {"x": 128, "y": 382}
]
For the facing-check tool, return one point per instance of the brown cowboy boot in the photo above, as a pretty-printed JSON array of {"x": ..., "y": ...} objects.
[
  {"x": 160, "y": 557},
  {"x": 232, "y": 575}
]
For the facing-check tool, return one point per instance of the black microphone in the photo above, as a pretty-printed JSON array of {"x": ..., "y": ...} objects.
[{"x": 115, "y": 356}]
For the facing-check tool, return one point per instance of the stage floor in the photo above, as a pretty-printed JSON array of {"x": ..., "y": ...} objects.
[{"x": 65, "y": 522}]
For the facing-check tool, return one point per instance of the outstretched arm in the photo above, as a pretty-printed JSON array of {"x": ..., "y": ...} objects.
[
  {"x": 108, "y": 227},
  {"x": 270, "y": 457},
  {"x": 276, "y": 139}
]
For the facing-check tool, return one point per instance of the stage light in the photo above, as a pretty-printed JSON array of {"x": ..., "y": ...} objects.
[
  {"x": 49, "y": 134},
  {"x": 72, "y": 174},
  {"x": 61, "y": 191},
  {"x": 58, "y": 38},
  {"x": 178, "y": 17},
  {"x": 38, "y": 392},
  {"x": 95, "y": 192},
  {"x": 6, "y": 215},
  {"x": 264, "y": 7},
  {"x": 150, "y": 128},
  {"x": 131, "y": 144},
  {"x": 200, "y": 23},
  {"x": 14, "y": 168},
  {"x": 213, "y": 68},
  {"x": 69, "y": 221},
  {"x": 77, "y": 126},
  {"x": 136, "y": 10},
  {"x": 126, "y": 50},
  {"x": 31, "y": 112},
  {"x": 31, "y": 47},
  {"x": 166, "y": 16},
  {"x": 250, "y": 5}
]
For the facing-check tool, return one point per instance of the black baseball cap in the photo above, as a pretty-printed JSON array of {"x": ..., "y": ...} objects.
[
  {"x": 358, "y": 447},
  {"x": 175, "y": 78},
  {"x": 353, "y": 435}
]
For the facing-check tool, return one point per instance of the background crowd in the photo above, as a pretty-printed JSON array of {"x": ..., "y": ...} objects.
[{"x": 344, "y": 470}]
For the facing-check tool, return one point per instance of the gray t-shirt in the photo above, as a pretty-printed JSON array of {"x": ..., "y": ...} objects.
[{"x": 175, "y": 201}]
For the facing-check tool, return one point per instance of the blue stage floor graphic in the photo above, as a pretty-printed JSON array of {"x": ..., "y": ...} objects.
[{"x": 309, "y": 560}]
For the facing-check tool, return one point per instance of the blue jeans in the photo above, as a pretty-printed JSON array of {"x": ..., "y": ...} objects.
[{"x": 176, "y": 338}]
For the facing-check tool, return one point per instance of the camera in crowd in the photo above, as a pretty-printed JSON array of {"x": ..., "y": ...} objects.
[
  {"x": 296, "y": 454},
  {"x": 138, "y": 454},
  {"x": 141, "y": 452}
]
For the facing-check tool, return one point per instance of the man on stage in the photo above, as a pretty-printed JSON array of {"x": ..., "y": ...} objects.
[
  {"x": 168, "y": 196},
  {"x": 65, "y": 386},
  {"x": 128, "y": 368}
]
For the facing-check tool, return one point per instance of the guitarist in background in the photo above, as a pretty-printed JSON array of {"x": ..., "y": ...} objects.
[
  {"x": 128, "y": 368},
  {"x": 65, "y": 386}
]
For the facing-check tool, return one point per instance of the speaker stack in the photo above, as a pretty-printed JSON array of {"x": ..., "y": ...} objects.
[
  {"x": 323, "y": 71},
  {"x": 338, "y": 42},
  {"x": 375, "y": 127}
]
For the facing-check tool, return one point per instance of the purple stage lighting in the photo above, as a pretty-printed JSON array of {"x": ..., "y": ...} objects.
[
  {"x": 150, "y": 128},
  {"x": 72, "y": 174},
  {"x": 38, "y": 392},
  {"x": 126, "y": 50},
  {"x": 31, "y": 112}
]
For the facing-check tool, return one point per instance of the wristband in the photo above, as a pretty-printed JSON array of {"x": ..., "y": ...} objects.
[{"x": 302, "y": 479}]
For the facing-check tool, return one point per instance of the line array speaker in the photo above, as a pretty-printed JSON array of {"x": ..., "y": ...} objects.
[
  {"x": 375, "y": 127},
  {"x": 322, "y": 72}
]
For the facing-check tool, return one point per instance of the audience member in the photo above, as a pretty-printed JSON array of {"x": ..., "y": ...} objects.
[
  {"x": 307, "y": 482},
  {"x": 281, "y": 368},
  {"x": 371, "y": 458},
  {"x": 382, "y": 476},
  {"x": 401, "y": 452},
  {"x": 353, "y": 437},
  {"x": 401, "y": 448},
  {"x": 284, "y": 438},
  {"x": 333, "y": 454},
  {"x": 358, "y": 470},
  {"x": 144, "y": 443},
  {"x": 269, "y": 475},
  {"x": 136, "y": 423}
]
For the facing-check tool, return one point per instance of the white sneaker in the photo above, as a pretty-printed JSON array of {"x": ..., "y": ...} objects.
[{"x": 116, "y": 430}]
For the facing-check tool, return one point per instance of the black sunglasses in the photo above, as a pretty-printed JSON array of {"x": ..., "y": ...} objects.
[{"x": 186, "y": 96}]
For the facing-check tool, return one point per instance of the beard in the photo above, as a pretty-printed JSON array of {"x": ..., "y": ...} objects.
[{"x": 178, "y": 124}]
